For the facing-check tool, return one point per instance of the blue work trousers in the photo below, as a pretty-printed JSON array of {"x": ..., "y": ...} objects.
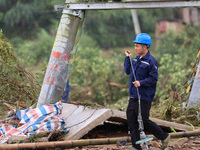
[{"x": 132, "y": 118}]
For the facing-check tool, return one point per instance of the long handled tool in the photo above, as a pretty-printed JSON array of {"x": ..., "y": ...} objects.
[{"x": 143, "y": 138}]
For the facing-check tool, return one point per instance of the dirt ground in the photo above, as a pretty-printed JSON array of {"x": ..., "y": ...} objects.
[
  {"x": 185, "y": 143},
  {"x": 111, "y": 131}
]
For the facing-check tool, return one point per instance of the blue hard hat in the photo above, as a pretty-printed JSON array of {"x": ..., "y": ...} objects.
[{"x": 143, "y": 38}]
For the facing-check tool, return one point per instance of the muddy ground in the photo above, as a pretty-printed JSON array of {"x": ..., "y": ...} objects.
[
  {"x": 185, "y": 143},
  {"x": 110, "y": 131}
]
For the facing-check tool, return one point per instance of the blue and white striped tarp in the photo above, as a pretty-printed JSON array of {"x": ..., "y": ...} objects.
[{"x": 42, "y": 119}]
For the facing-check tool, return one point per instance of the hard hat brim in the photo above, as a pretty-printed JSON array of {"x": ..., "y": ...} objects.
[{"x": 140, "y": 42}]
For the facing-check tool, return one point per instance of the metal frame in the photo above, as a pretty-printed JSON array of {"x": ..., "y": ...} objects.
[
  {"x": 73, "y": 12},
  {"x": 132, "y": 5}
]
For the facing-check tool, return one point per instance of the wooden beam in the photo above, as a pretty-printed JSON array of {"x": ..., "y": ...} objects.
[{"x": 168, "y": 124}]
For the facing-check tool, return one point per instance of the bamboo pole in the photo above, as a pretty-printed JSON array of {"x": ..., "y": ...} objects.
[
  {"x": 62, "y": 144},
  {"x": 76, "y": 143},
  {"x": 185, "y": 134},
  {"x": 182, "y": 134}
]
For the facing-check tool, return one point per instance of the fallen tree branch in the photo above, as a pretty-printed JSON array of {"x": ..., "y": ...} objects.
[
  {"x": 116, "y": 84},
  {"x": 3, "y": 101}
]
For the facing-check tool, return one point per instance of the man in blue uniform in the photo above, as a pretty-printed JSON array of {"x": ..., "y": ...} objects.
[{"x": 146, "y": 72}]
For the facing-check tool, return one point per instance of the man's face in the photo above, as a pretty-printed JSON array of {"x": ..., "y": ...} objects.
[{"x": 138, "y": 48}]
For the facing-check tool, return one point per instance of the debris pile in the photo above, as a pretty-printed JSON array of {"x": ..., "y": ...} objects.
[{"x": 33, "y": 121}]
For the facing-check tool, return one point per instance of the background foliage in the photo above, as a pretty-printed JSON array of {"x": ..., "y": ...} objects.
[
  {"x": 18, "y": 86},
  {"x": 97, "y": 74},
  {"x": 176, "y": 60}
]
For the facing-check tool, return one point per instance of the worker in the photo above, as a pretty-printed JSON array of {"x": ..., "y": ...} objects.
[{"x": 145, "y": 68}]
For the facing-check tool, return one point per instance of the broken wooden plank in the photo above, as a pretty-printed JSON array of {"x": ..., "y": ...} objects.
[
  {"x": 80, "y": 120},
  {"x": 168, "y": 124}
]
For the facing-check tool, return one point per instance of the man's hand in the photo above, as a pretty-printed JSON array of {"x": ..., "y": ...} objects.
[
  {"x": 136, "y": 83},
  {"x": 128, "y": 53}
]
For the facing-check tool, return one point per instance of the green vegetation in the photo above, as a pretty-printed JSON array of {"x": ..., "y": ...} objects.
[
  {"x": 93, "y": 73},
  {"x": 17, "y": 85},
  {"x": 97, "y": 73},
  {"x": 24, "y": 18},
  {"x": 175, "y": 61}
]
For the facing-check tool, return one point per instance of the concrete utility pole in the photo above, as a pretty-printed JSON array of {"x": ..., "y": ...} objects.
[
  {"x": 194, "y": 99},
  {"x": 54, "y": 79},
  {"x": 135, "y": 21}
]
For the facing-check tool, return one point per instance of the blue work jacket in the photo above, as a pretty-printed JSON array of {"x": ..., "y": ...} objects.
[{"x": 146, "y": 72}]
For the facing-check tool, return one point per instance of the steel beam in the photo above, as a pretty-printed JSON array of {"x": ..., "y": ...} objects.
[
  {"x": 128, "y": 5},
  {"x": 136, "y": 1}
]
